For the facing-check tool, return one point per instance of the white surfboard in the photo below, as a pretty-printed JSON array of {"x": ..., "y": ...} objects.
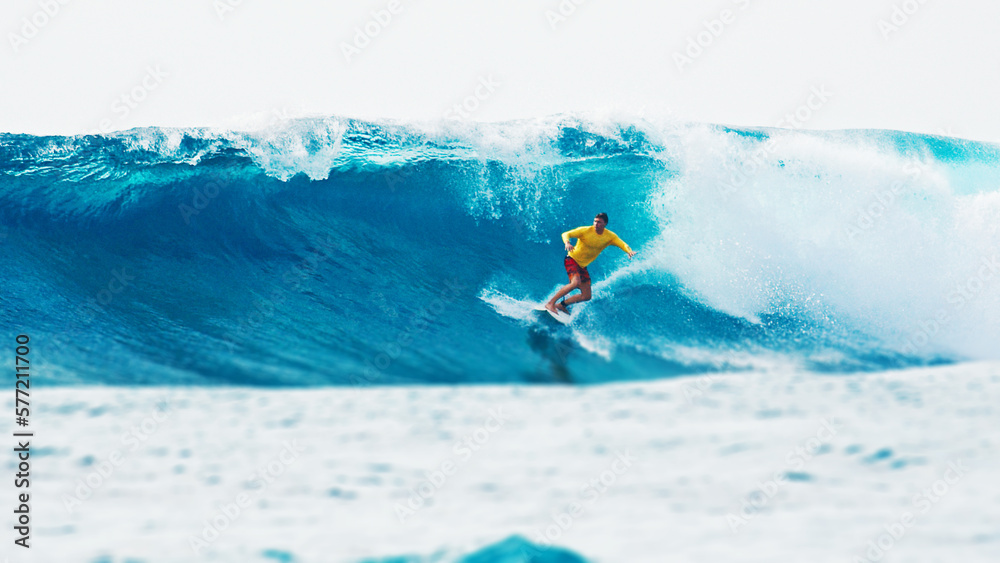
[{"x": 559, "y": 316}]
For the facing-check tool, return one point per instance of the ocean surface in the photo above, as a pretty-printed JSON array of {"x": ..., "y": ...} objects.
[
  {"x": 878, "y": 467},
  {"x": 315, "y": 341},
  {"x": 330, "y": 251}
]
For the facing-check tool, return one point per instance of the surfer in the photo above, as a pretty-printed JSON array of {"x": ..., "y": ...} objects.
[{"x": 590, "y": 241}]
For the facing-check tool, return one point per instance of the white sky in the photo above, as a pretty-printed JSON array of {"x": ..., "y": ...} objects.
[{"x": 939, "y": 73}]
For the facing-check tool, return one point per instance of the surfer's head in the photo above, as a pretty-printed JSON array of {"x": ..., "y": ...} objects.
[{"x": 600, "y": 220}]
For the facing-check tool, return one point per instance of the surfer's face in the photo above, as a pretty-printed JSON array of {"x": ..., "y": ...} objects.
[{"x": 599, "y": 224}]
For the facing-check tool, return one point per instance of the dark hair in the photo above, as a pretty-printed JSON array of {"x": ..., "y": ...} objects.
[{"x": 602, "y": 217}]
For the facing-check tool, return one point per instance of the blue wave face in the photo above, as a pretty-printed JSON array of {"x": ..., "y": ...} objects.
[{"x": 330, "y": 251}]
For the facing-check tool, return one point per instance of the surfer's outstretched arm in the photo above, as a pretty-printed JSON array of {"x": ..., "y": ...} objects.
[{"x": 621, "y": 244}]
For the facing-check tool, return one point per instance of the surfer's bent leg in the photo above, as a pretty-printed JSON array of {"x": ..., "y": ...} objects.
[
  {"x": 584, "y": 276},
  {"x": 579, "y": 277},
  {"x": 574, "y": 282},
  {"x": 584, "y": 294}
]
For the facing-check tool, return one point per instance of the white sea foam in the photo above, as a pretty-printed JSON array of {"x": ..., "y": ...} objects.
[
  {"x": 832, "y": 226},
  {"x": 700, "y": 448}
]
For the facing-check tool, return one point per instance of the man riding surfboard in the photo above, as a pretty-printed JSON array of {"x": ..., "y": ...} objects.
[{"x": 590, "y": 241}]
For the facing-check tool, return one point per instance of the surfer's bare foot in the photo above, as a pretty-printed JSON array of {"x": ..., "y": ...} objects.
[
  {"x": 562, "y": 308},
  {"x": 551, "y": 307}
]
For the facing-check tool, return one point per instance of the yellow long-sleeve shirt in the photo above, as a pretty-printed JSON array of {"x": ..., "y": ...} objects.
[{"x": 589, "y": 244}]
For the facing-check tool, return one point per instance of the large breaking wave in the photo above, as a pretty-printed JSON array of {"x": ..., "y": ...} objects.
[{"x": 335, "y": 251}]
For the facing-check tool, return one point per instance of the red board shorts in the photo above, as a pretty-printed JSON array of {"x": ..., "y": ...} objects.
[{"x": 573, "y": 268}]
